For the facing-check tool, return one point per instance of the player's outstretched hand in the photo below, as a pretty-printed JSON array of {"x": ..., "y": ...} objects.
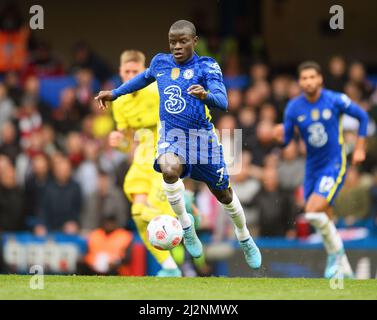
[
  {"x": 278, "y": 132},
  {"x": 197, "y": 91},
  {"x": 102, "y": 97}
]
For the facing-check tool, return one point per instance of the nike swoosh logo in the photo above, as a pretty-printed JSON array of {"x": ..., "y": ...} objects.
[{"x": 160, "y": 74}]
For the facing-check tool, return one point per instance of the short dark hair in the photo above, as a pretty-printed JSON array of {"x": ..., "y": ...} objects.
[
  {"x": 309, "y": 65},
  {"x": 181, "y": 24}
]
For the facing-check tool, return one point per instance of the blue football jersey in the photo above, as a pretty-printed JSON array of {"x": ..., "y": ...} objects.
[
  {"x": 179, "y": 109},
  {"x": 320, "y": 126},
  {"x": 186, "y": 128}
]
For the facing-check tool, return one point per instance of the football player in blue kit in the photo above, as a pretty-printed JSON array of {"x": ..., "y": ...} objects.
[
  {"x": 188, "y": 85},
  {"x": 317, "y": 113}
]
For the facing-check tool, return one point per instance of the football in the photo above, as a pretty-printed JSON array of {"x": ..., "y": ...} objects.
[{"x": 164, "y": 232}]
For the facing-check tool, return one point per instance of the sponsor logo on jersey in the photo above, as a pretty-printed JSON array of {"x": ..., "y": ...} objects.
[
  {"x": 188, "y": 74},
  {"x": 326, "y": 114},
  {"x": 215, "y": 68},
  {"x": 315, "y": 114},
  {"x": 175, "y": 73}
]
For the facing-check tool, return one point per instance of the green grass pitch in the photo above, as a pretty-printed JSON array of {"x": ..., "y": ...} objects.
[{"x": 139, "y": 288}]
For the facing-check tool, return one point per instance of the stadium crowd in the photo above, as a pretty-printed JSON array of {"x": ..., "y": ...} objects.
[{"x": 58, "y": 173}]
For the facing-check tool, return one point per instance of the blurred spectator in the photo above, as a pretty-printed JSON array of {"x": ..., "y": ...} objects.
[
  {"x": 84, "y": 90},
  {"x": 352, "y": 202},
  {"x": 265, "y": 142},
  {"x": 243, "y": 173},
  {"x": 268, "y": 113},
  {"x": 373, "y": 199},
  {"x": 7, "y": 107},
  {"x": 355, "y": 94},
  {"x": 87, "y": 172},
  {"x": 212, "y": 45},
  {"x": 105, "y": 201},
  {"x": 85, "y": 58},
  {"x": 233, "y": 77},
  {"x": 235, "y": 100},
  {"x": 263, "y": 89},
  {"x": 279, "y": 96},
  {"x": 8, "y": 141},
  {"x": 336, "y": 76},
  {"x": 254, "y": 97},
  {"x": 66, "y": 117},
  {"x": 294, "y": 89},
  {"x": 230, "y": 141},
  {"x": 61, "y": 201},
  {"x": 48, "y": 137},
  {"x": 259, "y": 71},
  {"x": 11, "y": 200},
  {"x": 14, "y": 37},
  {"x": 12, "y": 83},
  {"x": 114, "y": 161},
  {"x": 31, "y": 93},
  {"x": 246, "y": 187},
  {"x": 29, "y": 122},
  {"x": 247, "y": 123},
  {"x": 357, "y": 76},
  {"x": 74, "y": 148},
  {"x": 277, "y": 211},
  {"x": 291, "y": 168},
  {"x": 43, "y": 63},
  {"x": 35, "y": 187},
  {"x": 109, "y": 249}
]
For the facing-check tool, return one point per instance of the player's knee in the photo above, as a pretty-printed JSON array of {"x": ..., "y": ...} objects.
[
  {"x": 312, "y": 207},
  {"x": 170, "y": 173},
  {"x": 224, "y": 196}
]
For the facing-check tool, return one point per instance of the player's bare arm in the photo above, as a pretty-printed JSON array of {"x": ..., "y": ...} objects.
[{"x": 359, "y": 153}]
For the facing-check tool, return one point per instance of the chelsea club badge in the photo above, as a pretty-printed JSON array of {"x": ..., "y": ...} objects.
[{"x": 188, "y": 74}]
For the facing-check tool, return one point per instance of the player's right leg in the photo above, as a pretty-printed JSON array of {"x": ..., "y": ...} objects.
[
  {"x": 319, "y": 214},
  {"x": 172, "y": 169}
]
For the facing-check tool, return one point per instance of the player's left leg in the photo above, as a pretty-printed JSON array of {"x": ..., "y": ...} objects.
[
  {"x": 232, "y": 206},
  {"x": 319, "y": 214}
]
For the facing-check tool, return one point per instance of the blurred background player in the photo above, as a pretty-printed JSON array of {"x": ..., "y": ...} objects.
[{"x": 317, "y": 114}]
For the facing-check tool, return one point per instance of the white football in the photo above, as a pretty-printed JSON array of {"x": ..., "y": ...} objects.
[{"x": 164, "y": 232}]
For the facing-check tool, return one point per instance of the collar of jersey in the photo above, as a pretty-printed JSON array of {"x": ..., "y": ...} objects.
[
  {"x": 314, "y": 103},
  {"x": 194, "y": 57}
]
